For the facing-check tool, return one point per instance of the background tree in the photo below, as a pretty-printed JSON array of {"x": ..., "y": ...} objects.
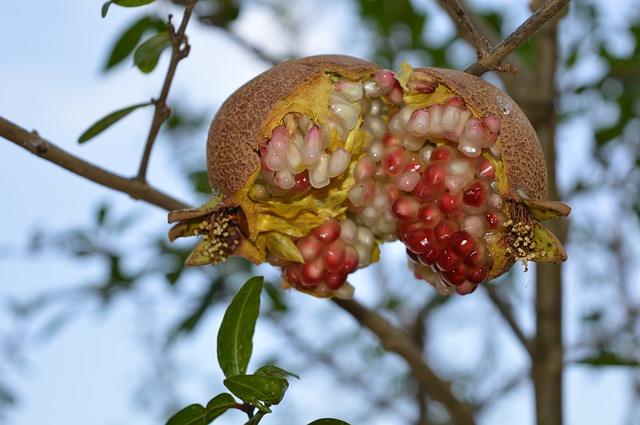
[{"x": 575, "y": 80}]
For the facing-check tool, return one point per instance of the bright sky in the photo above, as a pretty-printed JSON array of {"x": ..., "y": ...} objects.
[{"x": 50, "y": 80}]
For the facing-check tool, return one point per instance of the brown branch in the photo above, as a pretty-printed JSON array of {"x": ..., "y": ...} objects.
[
  {"x": 179, "y": 50},
  {"x": 35, "y": 144},
  {"x": 467, "y": 27},
  {"x": 507, "y": 314},
  {"x": 255, "y": 50},
  {"x": 493, "y": 59},
  {"x": 398, "y": 341}
]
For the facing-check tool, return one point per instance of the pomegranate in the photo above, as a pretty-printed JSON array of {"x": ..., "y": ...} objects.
[{"x": 319, "y": 160}]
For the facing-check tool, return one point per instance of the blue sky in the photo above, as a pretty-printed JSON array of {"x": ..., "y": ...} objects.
[{"x": 50, "y": 80}]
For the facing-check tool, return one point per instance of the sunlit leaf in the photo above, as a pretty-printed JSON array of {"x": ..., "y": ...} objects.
[
  {"x": 254, "y": 388},
  {"x": 130, "y": 38},
  {"x": 196, "y": 414},
  {"x": 147, "y": 55},
  {"x": 235, "y": 337},
  {"x": 271, "y": 370},
  {"x": 107, "y": 121},
  {"x": 123, "y": 3}
]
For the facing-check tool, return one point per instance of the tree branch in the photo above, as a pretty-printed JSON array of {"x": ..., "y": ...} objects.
[
  {"x": 179, "y": 50},
  {"x": 467, "y": 27},
  {"x": 35, "y": 144},
  {"x": 507, "y": 314},
  {"x": 396, "y": 340},
  {"x": 494, "y": 56}
]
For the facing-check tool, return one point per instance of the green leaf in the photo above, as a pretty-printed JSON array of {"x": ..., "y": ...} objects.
[
  {"x": 328, "y": 421},
  {"x": 270, "y": 370},
  {"x": 609, "y": 359},
  {"x": 130, "y": 38},
  {"x": 147, "y": 55},
  {"x": 255, "y": 388},
  {"x": 196, "y": 414},
  {"x": 132, "y": 3},
  {"x": 236, "y": 330},
  {"x": 107, "y": 121},
  {"x": 105, "y": 8}
]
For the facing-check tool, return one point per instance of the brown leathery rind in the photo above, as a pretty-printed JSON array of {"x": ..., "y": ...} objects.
[
  {"x": 234, "y": 134},
  {"x": 517, "y": 142}
]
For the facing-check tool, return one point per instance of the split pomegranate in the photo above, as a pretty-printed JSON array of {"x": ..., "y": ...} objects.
[{"x": 319, "y": 160}]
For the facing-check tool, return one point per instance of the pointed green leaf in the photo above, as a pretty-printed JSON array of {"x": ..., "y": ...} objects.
[
  {"x": 328, "y": 421},
  {"x": 196, "y": 414},
  {"x": 609, "y": 359},
  {"x": 107, "y": 121},
  {"x": 147, "y": 55},
  {"x": 105, "y": 8},
  {"x": 254, "y": 388},
  {"x": 130, "y": 38},
  {"x": 235, "y": 335},
  {"x": 270, "y": 370},
  {"x": 132, "y": 3}
]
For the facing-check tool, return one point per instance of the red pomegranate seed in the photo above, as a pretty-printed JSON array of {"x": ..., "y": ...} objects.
[
  {"x": 455, "y": 101},
  {"x": 328, "y": 232},
  {"x": 420, "y": 240},
  {"x": 292, "y": 274},
  {"x": 450, "y": 204},
  {"x": 391, "y": 192},
  {"x": 477, "y": 275},
  {"x": 309, "y": 247},
  {"x": 412, "y": 255},
  {"x": 466, "y": 288},
  {"x": 335, "y": 280},
  {"x": 475, "y": 258},
  {"x": 389, "y": 140},
  {"x": 447, "y": 260},
  {"x": 493, "y": 220},
  {"x": 414, "y": 164},
  {"x": 444, "y": 230},
  {"x": 429, "y": 257},
  {"x": 335, "y": 255},
  {"x": 454, "y": 277},
  {"x": 462, "y": 243},
  {"x": 442, "y": 153},
  {"x": 485, "y": 169},
  {"x": 435, "y": 175},
  {"x": 302, "y": 182},
  {"x": 393, "y": 160},
  {"x": 312, "y": 272},
  {"x": 430, "y": 215},
  {"x": 475, "y": 194},
  {"x": 350, "y": 260},
  {"x": 424, "y": 191},
  {"x": 403, "y": 228},
  {"x": 405, "y": 208}
]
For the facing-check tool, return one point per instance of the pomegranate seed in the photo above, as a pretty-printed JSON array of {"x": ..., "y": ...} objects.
[
  {"x": 391, "y": 192},
  {"x": 405, "y": 227},
  {"x": 454, "y": 277},
  {"x": 443, "y": 231},
  {"x": 335, "y": 255},
  {"x": 420, "y": 240},
  {"x": 309, "y": 247},
  {"x": 466, "y": 288},
  {"x": 424, "y": 191},
  {"x": 350, "y": 260},
  {"x": 477, "y": 275},
  {"x": 447, "y": 260},
  {"x": 365, "y": 168},
  {"x": 407, "y": 181},
  {"x": 442, "y": 153},
  {"x": 435, "y": 175},
  {"x": 429, "y": 214},
  {"x": 312, "y": 272},
  {"x": 429, "y": 257},
  {"x": 389, "y": 140},
  {"x": 292, "y": 274},
  {"x": 455, "y": 101},
  {"x": 493, "y": 219},
  {"x": 475, "y": 194},
  {"x": 405, "y": 208},
  {"x": 393, "y": 160},
  {"x": 335, "y": 280},
  {"x": 462, "y": 243},
  {"x": 475, "y": 258},
  {"x": 450, "y": 204},
  {"x": 328, "y": 232},
  {"x": 485, "y": 169},
  {"x": 302, "y": 182},
  {"x": 414, "y": 164},
  {"x": 412, "y": 255}
]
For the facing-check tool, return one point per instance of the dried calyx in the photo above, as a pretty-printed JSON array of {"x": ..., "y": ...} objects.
[{"x": 318, "y": 161}]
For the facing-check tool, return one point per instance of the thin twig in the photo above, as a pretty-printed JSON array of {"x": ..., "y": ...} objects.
[
  {"x": 179, "y": 50},
  {"x": 255, "y": 50},
  {"x": 35, "y": 144},
  {"x": 468, "y": 28},
  {"x": 507, "y": 314},
  {"x": 398, "y": 341},
  {"x": 495, "y": 56}
]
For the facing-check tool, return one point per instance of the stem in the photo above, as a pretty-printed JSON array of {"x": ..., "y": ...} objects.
[{"x": 179, "y": 50}]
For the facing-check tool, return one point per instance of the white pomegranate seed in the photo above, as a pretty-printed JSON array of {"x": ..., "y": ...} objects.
[
  {"x": 450, "y": 118},
  {"x": 434, "y": 127},
  {"x": 380, "y": 202},
  {"x": 471, "y": 140},
  {"x": 375, "y": 107},
  {"x": 294, "y": 159},
  {"x": 460, "y": 167},
  {"x": 319, "y": 173},
  {"x": 407, "y": 181},
  {"x": 376, "y": 151},
  {"x": 495, "y": 201},
  {"x": 412, "y": 143},
  {"x": 346, "y": 113},
  {"x": 417, "y": 124},
  {"x": 474, "y": 225},
  {"x": 304, "y": 123},
  {"x": 349, "y": 90},
  {"x": 396, "y": 94},
  {"x": 385, "y": 79},
  {"x": 364, "y": 255},
  {"x": 462, "y": 121},
  {"x": 398, "y": 123},
  {"x": 371, "y": 88},
  {"x": 455, "y": 184},
  {"x": 356, "y": 194},
  {"x": 333, "y": 125},
  {"x": 365, "y": 237},
  {"x": 375, "y": 125},
  {"x": 345, "y": 292},
  {"x": 339, "y": 162},
  {"x": 312, "y": 146},
  {"x": 349, "y": 231},
  {"x": 425, "y": 153},
  {"x": 275, "y": 161},
  {"x": 284, "y": 179},
  {"x": 279, "y": 140},
  {"x": 365, "y": 168}
]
